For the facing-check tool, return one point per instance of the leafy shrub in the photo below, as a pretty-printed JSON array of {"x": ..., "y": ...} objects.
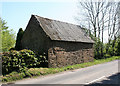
[
  {"x": 107, "y": 55},
  {"x": 4, "y": 79},
  {"x": 118, "y": 47},
  {"x": 20, "y": 61},
  {"x": 28, "y": 58},
  {"x": 13, "y": 77}
]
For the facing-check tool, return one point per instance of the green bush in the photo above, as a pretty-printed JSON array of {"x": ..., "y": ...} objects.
[
  {"x": 13, "y": 77},
  {"x": 118, "y": 47},
  {"x": 107, "y": 55},
  {"x": 20, "y": 61}
]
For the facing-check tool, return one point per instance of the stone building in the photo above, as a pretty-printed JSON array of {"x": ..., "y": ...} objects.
[{"x": 64, "y": 43}]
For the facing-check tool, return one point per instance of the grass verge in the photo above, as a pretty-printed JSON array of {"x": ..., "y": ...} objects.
[{"x": 32, "y": 72}]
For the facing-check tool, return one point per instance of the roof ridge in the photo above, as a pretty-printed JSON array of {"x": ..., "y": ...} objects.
[{"x": 56, "y": 20}]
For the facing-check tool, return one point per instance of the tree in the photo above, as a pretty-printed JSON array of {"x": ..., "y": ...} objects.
[
  {"x": 101, "y": 16},
  {"x": 7, "y": 37},
  {"x": 18, "y": 40}
]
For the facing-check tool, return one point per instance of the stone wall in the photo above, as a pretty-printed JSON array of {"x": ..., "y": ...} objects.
[{"x": 69, "y": 53}]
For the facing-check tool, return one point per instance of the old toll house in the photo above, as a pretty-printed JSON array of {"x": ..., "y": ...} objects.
[{"x": 64, "y": 43}]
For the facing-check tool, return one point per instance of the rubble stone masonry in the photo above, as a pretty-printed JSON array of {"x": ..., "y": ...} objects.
[{"x": 65, "y": 53}]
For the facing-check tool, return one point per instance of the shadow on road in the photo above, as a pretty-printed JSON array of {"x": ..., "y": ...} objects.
[{"x": 113, "y": 80}]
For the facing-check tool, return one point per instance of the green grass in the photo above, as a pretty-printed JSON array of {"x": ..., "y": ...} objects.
[{"x": 34, "y": 72}]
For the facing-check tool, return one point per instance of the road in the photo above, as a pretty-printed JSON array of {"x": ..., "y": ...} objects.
[{"x": 90, "y": 75}]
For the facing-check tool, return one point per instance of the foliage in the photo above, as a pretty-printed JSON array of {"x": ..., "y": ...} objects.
[
  {"x": 118, "y": 47},
  {"x": 13, "y": 76},
  {"x": 18, "y": 40},
  {"x": 107, "y": 55},
  {"x": 97, "y": 49},
  {"x": 7, "y": 36},
  {"x": 98, "y": 45},
  {"x": 20, "y": 60},
  {"x": 114, "y": 47},
  {"x": 113, "y": 50},
  {"x": 100, "y": 51},
  {"x": 44, "y": 71}
]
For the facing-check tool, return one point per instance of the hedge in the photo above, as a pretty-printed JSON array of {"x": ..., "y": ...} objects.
[{"x": 19, "y": 60}]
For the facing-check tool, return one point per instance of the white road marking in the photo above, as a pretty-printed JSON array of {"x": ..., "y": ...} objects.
[{"x": 95, "y": 80}]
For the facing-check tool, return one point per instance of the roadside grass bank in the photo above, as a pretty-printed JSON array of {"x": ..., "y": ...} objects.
[{"x": 34, "y": 72}]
